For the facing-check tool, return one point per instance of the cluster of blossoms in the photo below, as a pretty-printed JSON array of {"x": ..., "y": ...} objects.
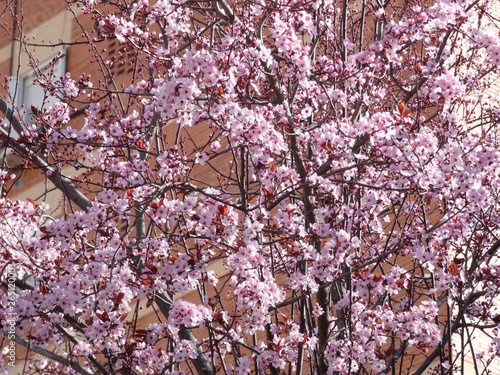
[{"x": 285, "y": 186}]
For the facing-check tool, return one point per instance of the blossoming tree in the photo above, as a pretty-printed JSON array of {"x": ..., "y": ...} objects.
[{"x": 323, "y": 175}]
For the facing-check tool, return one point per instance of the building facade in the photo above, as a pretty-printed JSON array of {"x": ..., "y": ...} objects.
[{"x": 52, "y": 36}]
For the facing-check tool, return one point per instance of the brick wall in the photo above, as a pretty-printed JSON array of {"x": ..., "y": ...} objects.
[{"x": 40, "y": 19}]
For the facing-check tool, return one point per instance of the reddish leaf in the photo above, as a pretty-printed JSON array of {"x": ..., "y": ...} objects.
[
  {"x": 104, "y": 316},
  {"x": 118, "y": 297},
  {"x": 222, "y": 208},
  {"x": 401, "y": 107},
  {"x": 32, "y": 202},
  {"x": 129, "y": 348},
  {"x": 141, "y": 144},
  {"x": 153, "y": 268},
  {"x": 453, "y": 268},
  {"x": 389, "y": 352},
  {"x": 36, "y": 111},
  {"x": 122, "y": 318},
  {"x": 140, "y": 333}
]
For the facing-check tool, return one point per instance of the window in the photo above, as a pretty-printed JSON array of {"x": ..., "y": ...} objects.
[
  {"x": 24, "y": 93},
  {"x": 28, "y": 93},
  {"x": 118, "y": 61}
]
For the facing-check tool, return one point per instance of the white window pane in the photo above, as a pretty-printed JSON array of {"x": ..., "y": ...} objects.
[{"x": 33, "y": 94}]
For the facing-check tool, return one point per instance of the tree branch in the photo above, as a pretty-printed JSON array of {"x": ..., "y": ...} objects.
[
  {"x": 61, "y": 182},
  {"x": 51, "y": 355},
  {"x": 202, "y": 365}
]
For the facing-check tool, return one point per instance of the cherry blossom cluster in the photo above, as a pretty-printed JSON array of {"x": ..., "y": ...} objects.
[{"x": 301, "y": 187}]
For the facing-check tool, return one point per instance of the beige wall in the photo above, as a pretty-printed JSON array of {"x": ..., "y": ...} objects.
[{"x": 58, "y": 24}]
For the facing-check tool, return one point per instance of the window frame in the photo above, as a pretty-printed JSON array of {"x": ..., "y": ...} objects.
[{"x": 20, "y": 105}]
